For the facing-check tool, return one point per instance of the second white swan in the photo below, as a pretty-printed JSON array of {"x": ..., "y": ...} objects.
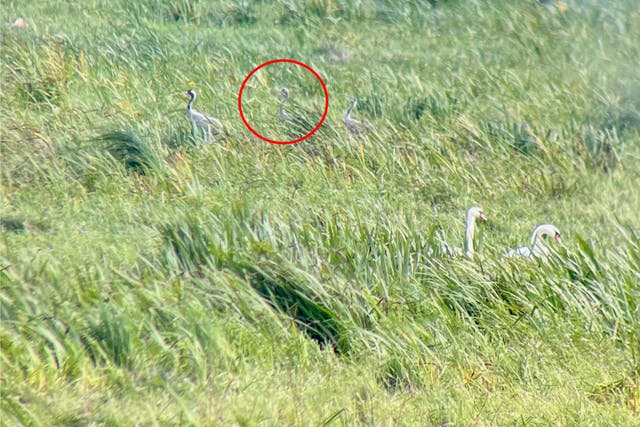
[{"x": 538, "y": 246}]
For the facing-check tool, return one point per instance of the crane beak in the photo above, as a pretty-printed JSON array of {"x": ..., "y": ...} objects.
[
  {"x": 557, "y": 237},
  {"x": 483, "y": 216}
]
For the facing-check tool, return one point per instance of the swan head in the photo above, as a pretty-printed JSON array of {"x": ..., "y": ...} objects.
[
  {"x": 545, "y": 230},
  {"x": 284, "y": 92},
  {"x": 476, "y": 212}
]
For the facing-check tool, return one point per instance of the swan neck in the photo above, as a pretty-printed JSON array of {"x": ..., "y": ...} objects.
[
  {"x": 535, "y": 239},
  {"x": 468, "y": 235}
]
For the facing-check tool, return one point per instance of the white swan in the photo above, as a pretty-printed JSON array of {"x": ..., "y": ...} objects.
[
  {"x": 473, "y": 213},
  {"x": 208, "y": 125},
  {"x": 538, "y": 247}
]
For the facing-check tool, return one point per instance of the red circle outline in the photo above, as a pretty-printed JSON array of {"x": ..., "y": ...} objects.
[{"x": 293, "y": 141}]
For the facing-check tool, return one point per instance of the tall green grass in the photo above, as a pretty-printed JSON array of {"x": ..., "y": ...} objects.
[{"x": 152, "y": 277}]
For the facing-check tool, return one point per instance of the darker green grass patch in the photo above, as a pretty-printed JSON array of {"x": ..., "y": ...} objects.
[
  {"x": 109, "y": 338},
  {"x": 292, "y": 15},
  {"x": 624, "y": 390},
  {"x": 624, "y": 116},
  {"x": 439, "y": 107},
  {"x": 43, "y": 91},
  {"x": 600, "y": 147},
  {"x": 181, "y": 138},
  {"x": 189, "y": 246},
  {"x": 399, "y": 374},
  {"x": 518, "y": 136},
  {"x": 13, "y": 225},
  {"x": 241, "y": 12},
  {"x": 371, "y": 105},
  {"x": 288, "y": 293},
  {"x": 132, "y": 152}
]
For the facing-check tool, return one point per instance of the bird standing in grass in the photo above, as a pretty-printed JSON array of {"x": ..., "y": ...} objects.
[
  {"x": 474, "y": 213},
  {"x": 302, "y": 121},
  {"x": 205, "y": 124},
  {"x": 286, "y": 117},
  {"x": 538, "y": 248},
  {"x": 355, "y": 126}
]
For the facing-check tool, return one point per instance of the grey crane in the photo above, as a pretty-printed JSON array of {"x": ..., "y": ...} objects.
[
  {"x": 355, "y": 126},
  {"x": 301, "y": 121},
  {"x": 205, "y": 124}
]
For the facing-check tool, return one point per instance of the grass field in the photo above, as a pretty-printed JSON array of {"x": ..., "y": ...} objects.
[{"x": 152, "y": 277}]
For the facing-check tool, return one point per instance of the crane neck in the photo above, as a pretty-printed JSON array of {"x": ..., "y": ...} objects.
[
  {"x": 347, "y": 116},
  {"x": 192, "y": 97},
  {"x": 281, "y": 110}
]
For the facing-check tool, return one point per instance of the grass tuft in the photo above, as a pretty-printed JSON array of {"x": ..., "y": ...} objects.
[{"x": 132, "y": 152}]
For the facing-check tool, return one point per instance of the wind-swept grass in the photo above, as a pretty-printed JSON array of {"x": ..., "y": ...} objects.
[
  {"x": 148, "y": 276},
  {"x": 134, "y": 154}
]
